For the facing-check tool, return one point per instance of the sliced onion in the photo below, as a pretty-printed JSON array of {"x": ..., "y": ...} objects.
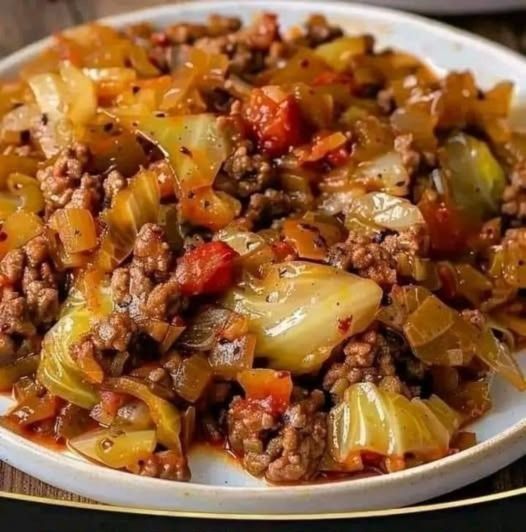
[
  {"x": 192, "y": 377},
  {"x": 203, "y": 331},
  {"x": 383, "y": 211}
]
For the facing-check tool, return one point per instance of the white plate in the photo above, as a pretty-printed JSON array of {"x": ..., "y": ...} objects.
[{"x": 218, "y": 484}]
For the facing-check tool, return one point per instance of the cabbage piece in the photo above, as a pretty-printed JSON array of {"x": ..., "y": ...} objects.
[
  {"x": 476, "y": 178},
  {"x": 373, "y": 420},
  {"x": 438, "y": 335},
  {"x": 13, "y": 371},
  {"x": 18, "y": 229},
  {"x": 387, "y": 172},
  {"x": 253, "y": 249},
  {"x": 116, "y": 448},
  {"x": 338, "y": 53},
  {"x": 498, "y": 357},
  {"x": 164, "y": 414},
  {"x": 378, "y": 210},
  {"x": 57, "y": 370},
  {"x": 132, "y": 207},
  {"x": 69, "y": 102},
  {"x": 300, "y": 311},
  {"x": 194, "y": 144}
]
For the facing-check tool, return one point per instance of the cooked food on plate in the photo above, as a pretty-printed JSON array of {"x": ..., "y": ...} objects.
[{"x": 282, "y": 241}]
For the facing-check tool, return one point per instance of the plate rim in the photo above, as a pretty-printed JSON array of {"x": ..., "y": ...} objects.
[{"x": 446, "y": 466}]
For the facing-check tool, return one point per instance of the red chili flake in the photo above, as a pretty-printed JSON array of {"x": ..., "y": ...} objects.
[{"x": 344, "y": 324}]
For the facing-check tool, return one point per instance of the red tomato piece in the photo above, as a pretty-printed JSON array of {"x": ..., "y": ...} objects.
[
  {"x": 447, "y": 230},
  {"x": 207, "y": 269},
  {"x": 111, "y": 402},
  {"x": 339, "y": 156},
  {"x": 283, "y": 251},
  {"x": 276, "y": 125},
  {"x": 270, "y": 388}
]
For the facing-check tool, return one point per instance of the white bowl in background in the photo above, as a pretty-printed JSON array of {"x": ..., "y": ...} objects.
[
  {"x": 451, "y": 7},
  {"x": 219, "y": 484}
]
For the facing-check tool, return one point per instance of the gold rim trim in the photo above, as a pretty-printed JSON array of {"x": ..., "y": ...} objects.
[{"x": 274, "y": 517}]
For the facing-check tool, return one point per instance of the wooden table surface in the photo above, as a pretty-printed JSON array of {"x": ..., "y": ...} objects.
[{"x": 25, "y": 21}]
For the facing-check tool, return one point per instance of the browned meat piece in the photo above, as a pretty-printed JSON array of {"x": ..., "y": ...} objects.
[
  {"x": 403, "y": 144},
  {"x": 152, "y": 253},
  {"x": 120, "y": 286},
  {"x": 319, "y": 30},
  {"x": 143, "y": 291},
  {"x": 59, "y": 181},
  {"x": 247, "y": 423},
  {"x": 113, "y": 183},
  {"x": 88, "y": 195},
  {"x": 12, "y": 265},
  {"x": 245, "y": 172},
  {"x": 283, "y": 450},
  {"x": 367, "y": 258},
  {"x": 371, "y": 357},
  {"x": 408, "y": 244},
  {"x": 32, "y": 299},
  {"x": 514, "y": 196},
  {"x": 379, "y": 259},
  {"x": 264, "y": 208},
  {"x": 475, "y": 317},
  {"x": 168, "y": 465},
  {"x": 114, "y": 332},
  {"x": 246, "y": 48},
  {"x": 164, "y": 301}
]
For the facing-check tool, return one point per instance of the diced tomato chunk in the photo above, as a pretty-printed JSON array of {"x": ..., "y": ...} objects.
[
  {"x": 338, "y": 156},
  {"x": 268, "y": 387},
  {"x": 276, "y": 124},
  {"x": 111, "y": 402},
  {"x": 283, "y": 251},
  {"x": 207, "y": 269},
  {"x": 448, "y": 231}
]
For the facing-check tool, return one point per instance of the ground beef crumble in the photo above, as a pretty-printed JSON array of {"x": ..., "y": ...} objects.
[
  {"x": 514, "y": 196},
  {"x": 371, "y": 356},
  {"x": 379, "y": 257},
  {"x": 245, "y": 172},
  {"x": 283, "y": 449},
  {"x": 360, "y": 254},
  {"x": 143, "y": 292},
  {"x": 29, "y": 301}
]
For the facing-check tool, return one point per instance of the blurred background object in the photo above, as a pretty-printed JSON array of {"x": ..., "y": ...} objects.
[{"x": 448, "y": 7}]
